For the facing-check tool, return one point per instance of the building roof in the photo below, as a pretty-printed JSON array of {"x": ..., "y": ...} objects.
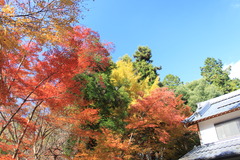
[
  {"x": 217, "y": 150},
  {"x": 215, "y": 107}
]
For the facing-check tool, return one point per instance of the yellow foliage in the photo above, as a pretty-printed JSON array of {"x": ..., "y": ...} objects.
[
  {"x": 155, "y": 84},
  {"x": 42, "y": 21},
  {"x": 66, "y": 2},
  {"x": 7, "y": 9},
  {"x": 125, "y": 77}
]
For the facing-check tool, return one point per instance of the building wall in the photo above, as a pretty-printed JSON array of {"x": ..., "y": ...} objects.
[{"x": 207, "y": 130}]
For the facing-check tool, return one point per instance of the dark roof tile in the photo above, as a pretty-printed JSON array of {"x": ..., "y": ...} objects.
[{"x": 220, "y": 149}]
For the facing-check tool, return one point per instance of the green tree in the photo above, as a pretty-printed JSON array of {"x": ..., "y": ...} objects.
[
  {"x": 103, "y": 95},
  {"x": 214, "y": 73},
  {"x": 198, "y": 91},
  {"x": 143, "y": 64},
  {"x": 111, "y": 103},
  {"x": 126, "y": 58},
  {"x": 232, "y": 85},
  {"x": 171, "y": 81},
  {"x": 143, "y": 53}
]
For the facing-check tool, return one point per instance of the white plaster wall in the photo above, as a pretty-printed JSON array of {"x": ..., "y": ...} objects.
[{"x": 207, "y": 130}]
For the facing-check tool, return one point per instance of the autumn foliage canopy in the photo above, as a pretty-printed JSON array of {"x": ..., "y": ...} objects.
[{"x": 61, "y": 97}]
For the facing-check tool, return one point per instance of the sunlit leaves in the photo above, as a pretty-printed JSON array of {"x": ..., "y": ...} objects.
[
  {"x": 110, "y": 146},
  {"x": 2, "y": 2},
  {"x": 124, "y": 76},
  {"x": 42, "y": 21},
  {"x": 33, "y": 80},
  {"x": 155, "y": 119}
]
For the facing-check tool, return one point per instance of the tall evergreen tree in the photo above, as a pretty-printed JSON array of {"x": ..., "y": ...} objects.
[
  {"x": 214, "y": 73},
  {"x": 143, "y": 64}
]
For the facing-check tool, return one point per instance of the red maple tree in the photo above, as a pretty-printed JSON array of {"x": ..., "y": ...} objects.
[
  {"x": 34, "y": 79},
  {"x": 154, "y": 119}
]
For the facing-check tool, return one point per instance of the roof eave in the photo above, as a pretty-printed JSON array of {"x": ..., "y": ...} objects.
[{"x": 210, "y": 117}]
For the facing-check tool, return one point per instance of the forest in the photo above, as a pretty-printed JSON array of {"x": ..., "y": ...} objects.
[{"x": 63, "y": 97}]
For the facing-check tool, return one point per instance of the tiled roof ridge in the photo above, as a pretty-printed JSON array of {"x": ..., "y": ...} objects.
[
  {"x": 223, "y": 97},
  {"x": 229, "y": 103},
  {"x": 203, "y": 107},
  {"x": 212, "y": 116},
  {"x": 216, "y": 145}
]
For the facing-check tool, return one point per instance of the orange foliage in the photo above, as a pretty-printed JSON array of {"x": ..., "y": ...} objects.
[
  {"x": 155, "y": 118},
  {"x": 109, "y": 146},
  {"x": 6, "y": 157},
  {"x": 34, "y": 79},
  {"x": 2, "y": 2}
]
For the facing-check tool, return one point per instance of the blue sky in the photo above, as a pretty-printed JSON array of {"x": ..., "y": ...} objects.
[{"x": 180, "y": 33}]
